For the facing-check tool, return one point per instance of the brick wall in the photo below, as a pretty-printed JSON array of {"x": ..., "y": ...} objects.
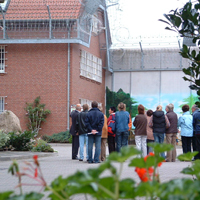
[{"x": 41, "y": 70}]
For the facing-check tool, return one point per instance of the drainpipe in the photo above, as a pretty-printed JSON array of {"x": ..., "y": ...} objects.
[{"x": 68, "y": 81}]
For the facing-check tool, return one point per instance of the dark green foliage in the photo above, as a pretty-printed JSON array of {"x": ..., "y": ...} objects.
[
  {"x": 21, "y": 141},
  {"x": 114, "y": 98},
  {"x": 62, "y": 137},
  {"x": 185, "y": 21}
]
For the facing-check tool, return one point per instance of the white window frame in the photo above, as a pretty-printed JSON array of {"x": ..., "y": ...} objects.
[
  {"x": 95, "y": 23},
  {"x": 2, "y": 58},
  {"x": 91, "y": 66},
  {"x": 88, "y": 102},
  {"x": 2, "y": 104}
]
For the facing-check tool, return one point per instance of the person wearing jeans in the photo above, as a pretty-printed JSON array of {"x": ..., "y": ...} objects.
[
  {"x": 82, "y": 131},
  {"x": 159, "y": 122},
  {"x": 140, "y": 124},
  {"x": 121, "y": 123},
  {"x": 94, "y": 123}
]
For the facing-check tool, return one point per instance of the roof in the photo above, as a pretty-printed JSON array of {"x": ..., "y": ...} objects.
[{"x": 37, "y": 9}]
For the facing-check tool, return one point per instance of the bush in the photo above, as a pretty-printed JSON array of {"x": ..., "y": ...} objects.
[
  {"x": 20, "y": 142},
  {"x": 3, "y": 139},
  {"x": 42, "y": 146},
  {"x": 62, "y": 137}
]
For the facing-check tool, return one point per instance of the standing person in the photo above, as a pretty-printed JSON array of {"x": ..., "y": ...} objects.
[
  {"x": 82, "y": 131},
  {"x": 122, "y": 121},
  {"x": 94, "y": 122},
  {"x": 140, "y": 124},
  {"x": 74, "y": 133},
  {"x": 111, "y": 136},
  {"x": 185, "y": 122},
  {"x": 196, "y": 127},
  {"x": 171, "y": 132},
  {"x": 104, "y": 137},
  {"x": 195, "y": 109},
  {"x": 150, "y": 137},
  {"x": 159, "y": 122}
]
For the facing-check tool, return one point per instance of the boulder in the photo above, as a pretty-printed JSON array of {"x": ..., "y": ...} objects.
[{"x": 9, "y": 122}]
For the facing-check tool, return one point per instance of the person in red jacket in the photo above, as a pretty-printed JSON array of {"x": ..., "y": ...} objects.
[{"x": 111, "y": 136}]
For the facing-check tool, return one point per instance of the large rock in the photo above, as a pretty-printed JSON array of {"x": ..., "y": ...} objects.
[{"x": 9, "y": 122}]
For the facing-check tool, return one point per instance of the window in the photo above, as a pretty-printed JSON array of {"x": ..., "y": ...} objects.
[
  {"x": 88, "y": 102},
  {"x": 95, "y": 24},
  {"x": 2, "y": 104},
  {"x": 2, "y": 59},
  {"x": 91, "y": 66}
]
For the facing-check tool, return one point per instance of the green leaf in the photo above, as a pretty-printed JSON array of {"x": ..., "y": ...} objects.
[
  {"x": 5, "y": 195},
  {"x": 159, "y": 148},
  {"x": 187, "y": 156},
  {"x": 193, "y": 53},
  {"x": 124, "y": 154}
]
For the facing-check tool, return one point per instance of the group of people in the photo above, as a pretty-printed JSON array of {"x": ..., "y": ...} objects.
[
  {"x": 154, "y": 126},
  {"x": 91, "y": 126}
]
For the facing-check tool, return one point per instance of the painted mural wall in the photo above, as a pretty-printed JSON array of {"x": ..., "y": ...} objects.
[{"x": 153, "y": 88}]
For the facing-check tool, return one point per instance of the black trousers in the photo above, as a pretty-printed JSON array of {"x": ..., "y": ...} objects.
[
  {"x": 186, "y": 144},
  {"x": 194, "y": 145},
  {"x": 198, "y": 146},
  {"x": 111, "y": 144},
  {"x": 75, "y": 146}
]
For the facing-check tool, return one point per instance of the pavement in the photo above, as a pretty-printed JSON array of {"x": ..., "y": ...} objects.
[{"x": 60, "y": 163}]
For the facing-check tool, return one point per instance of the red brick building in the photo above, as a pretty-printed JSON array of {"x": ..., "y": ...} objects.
[{"x": 54, "y": 49}]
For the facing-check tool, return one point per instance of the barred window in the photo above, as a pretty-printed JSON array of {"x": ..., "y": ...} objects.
[
  {"x": 2, "y": 104},
  {"x": 91, "y": 66},
  {"x": 2, "y": 59},
  {"x": 88, "y": 102}
]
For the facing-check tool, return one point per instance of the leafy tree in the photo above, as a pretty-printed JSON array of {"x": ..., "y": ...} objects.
[
  {"x": 186, "y": 22},
  {"x": 36, "y": 115},
  {"x": 190, "y": 101},
  {"x": 114, "y": 98}
]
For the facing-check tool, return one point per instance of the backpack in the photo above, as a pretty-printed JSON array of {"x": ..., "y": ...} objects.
[{"x": 111, "y": 126}]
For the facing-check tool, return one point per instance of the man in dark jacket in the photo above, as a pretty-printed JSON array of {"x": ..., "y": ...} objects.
[
  {"x": 73, "y": 132},
  {"x": 82, "y": 131},
  {"x": 171, "y": 132},
  {"x": 196, "y": 128},
  {"x": 94, "y": 123}
]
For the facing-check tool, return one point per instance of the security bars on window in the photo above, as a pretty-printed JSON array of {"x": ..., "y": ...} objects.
[
  {"x": 2, "y": 103},
  {"x": 2, "y": 59},
  {"x": 91, "y": 66}
]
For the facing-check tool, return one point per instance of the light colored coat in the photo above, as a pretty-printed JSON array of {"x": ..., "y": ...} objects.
[{"x": 185, "y": 122}]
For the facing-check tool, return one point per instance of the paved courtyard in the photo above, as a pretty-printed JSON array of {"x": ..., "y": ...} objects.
[{"x": 60, "y": 163}]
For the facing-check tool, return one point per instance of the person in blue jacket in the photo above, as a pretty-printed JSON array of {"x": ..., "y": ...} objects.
[
  {"x": 196, "y": 126},
  {"x": 94, "y": 122},
  {"x": 185, "y": 123},
  {"x": 121, "y": 123}
]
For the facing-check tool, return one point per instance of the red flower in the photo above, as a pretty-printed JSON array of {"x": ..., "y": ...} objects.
[{"x": 35, "y": 158}]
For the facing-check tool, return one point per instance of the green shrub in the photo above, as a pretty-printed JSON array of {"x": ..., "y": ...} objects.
[
  {"x": 62, "y": 137},
  {"x": 42, "y": 146},
  {"x": 3, "y": 139},
  {"x": 21, "y": 141}
]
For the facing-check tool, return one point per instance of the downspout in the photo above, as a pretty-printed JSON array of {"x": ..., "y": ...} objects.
[{"x": 68, "y": 80}]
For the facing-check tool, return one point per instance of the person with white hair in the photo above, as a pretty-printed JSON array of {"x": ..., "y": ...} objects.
[{"x": 171, "y": 132}]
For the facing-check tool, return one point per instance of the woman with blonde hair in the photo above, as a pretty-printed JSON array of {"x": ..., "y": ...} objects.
[
  {"x": 140, "y": 124},
  {"x": 121, "y": 123}
]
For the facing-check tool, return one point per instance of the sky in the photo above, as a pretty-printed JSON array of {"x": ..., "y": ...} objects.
[{"x": 134, "y": 19}]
